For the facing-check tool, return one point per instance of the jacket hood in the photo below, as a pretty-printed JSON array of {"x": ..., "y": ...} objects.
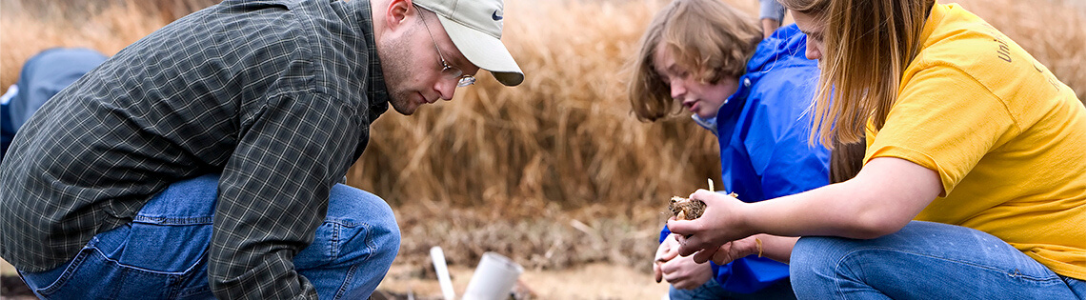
[{"x": 787, "y": 45}]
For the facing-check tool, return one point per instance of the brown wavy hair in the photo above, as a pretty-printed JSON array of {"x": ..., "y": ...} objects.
[{"x": 708, "y": 37}]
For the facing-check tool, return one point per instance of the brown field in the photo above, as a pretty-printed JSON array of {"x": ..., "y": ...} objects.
[{"x": 555, "y": 173}]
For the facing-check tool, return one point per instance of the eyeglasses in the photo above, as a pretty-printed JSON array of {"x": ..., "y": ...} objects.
[{"x": 449, "y": 72}]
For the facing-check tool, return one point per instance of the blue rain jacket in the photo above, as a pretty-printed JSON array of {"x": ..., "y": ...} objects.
[{"x": 764, "y": 152}]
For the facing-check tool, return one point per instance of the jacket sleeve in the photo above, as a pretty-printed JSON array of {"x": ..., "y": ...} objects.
[{"x": 771, "y": 9}]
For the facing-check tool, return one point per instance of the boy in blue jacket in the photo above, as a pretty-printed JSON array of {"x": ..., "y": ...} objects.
[{"x": 753, "y": 94}]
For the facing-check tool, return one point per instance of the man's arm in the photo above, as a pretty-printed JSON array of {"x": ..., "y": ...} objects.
[
  {"x": 771, "y": 16},
  {"x": 274, "y": 194}
]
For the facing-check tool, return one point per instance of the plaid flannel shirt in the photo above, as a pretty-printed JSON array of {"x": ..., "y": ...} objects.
[{"x": 275, "y": 95}]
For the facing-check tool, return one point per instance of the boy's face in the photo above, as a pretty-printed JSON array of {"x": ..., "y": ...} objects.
[{"x": 701, "y": 98}]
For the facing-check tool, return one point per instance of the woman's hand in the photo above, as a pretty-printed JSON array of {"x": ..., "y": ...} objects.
[
  {"x": 722, "y": 222},
  {"x": 886, "y": 194},
  {"x": 731, "y": 251},
  {"x": 681, "y": 272}
]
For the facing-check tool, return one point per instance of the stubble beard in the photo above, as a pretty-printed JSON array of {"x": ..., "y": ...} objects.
[{"x": 395, "y": 65}]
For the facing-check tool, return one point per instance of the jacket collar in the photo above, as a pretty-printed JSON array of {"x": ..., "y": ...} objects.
[{"x": 785, "y": 47}]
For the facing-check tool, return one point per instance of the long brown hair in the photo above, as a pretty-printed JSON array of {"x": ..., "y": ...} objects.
[
  {"x": 707, "y": 37},
  {"x": 867, "y": 46},
  {"x": 846, "y": 160}
]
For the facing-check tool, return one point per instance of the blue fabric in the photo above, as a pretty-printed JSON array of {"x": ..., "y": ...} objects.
[
  {"x": 771, "y": 9},
  {"x": 711, "y": 290},
  {"x": 43, "y": 75},
  {"x": 924, "y": 260},
  {"x": 763, "y": 133},
  {"x": 162, "y": 253},
  {"x": 7, "y": 130}
]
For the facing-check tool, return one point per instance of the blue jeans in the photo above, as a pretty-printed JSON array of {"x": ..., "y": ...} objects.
[
  {"x": 711, "y": 290},
  {"x": 161, "y": 254},
  {"x": 923, "y": 261}
]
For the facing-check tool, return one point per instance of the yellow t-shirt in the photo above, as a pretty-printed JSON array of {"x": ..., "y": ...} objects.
[{"x": 1006, "y": 137}]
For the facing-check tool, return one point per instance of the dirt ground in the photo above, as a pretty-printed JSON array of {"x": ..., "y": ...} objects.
[{"x": 593, "y": 281}]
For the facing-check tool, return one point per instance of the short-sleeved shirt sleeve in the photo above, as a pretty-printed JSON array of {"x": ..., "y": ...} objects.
[{"x": 1005, "y": 136}]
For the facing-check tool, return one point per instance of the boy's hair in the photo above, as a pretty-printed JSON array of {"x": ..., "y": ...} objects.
[
  {"x": 867, "y": 44},
  {"x": 707, "y": 37}
]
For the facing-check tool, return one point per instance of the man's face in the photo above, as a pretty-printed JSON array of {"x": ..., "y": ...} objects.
[{"x": 412, "y": 66}]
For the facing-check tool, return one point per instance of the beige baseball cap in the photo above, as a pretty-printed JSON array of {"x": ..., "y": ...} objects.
[{"x": 475, "y": 27}]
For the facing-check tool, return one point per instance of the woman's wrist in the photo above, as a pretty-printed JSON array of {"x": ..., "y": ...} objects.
[{"x": 744, "y": 220}]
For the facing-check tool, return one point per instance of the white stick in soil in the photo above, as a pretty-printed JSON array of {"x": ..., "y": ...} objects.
[{"x": 442, "y": 269}]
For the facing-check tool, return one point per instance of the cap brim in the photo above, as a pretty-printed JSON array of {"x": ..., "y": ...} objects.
[{"x": 485, "y": 51}]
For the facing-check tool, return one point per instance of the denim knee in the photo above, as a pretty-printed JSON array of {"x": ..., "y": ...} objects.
[
  {"x": 383, "y": 233},
  {"x": 814, "y": 261},
  {"x": 354, "y": 248}
]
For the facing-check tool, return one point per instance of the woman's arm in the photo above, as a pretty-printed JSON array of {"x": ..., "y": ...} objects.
[
  {"x": 778, "y": 248},
  {"x": 881, "y": 199}
]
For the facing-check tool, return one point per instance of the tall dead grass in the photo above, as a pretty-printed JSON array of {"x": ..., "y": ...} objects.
[
  {"x": 554, "y": 172},
  {"x": 565, "y": 136}
]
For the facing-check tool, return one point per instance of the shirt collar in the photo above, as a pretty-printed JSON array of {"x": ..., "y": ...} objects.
[{"x": 709, "y": 123}]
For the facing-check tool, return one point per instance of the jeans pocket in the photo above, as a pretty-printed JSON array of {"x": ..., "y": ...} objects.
[
  {"x": 92, "y": 275},
  {"x": 174, "y": 250}
]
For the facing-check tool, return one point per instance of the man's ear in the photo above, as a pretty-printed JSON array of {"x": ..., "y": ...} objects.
[{"x": 397, "y": 13}]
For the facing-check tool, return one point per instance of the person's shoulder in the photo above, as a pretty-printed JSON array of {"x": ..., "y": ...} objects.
[
  {"x": 955, "y": 36},
  {"x": 787, "y": 31},
  {"x": 787, "y": 81},
  {"x": 787, "y": 34},
  {"x": 786, "y": 48},
  {"x": 787, "y": 41},
  {"x": 962, "y": 41}
]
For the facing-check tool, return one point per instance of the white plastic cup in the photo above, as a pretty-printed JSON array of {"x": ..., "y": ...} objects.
[{"x": 494, "y": 278}]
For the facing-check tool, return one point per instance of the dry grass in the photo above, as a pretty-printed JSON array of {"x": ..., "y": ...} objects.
[
  {"x": 565, "y": 136},
  {"x": 553, "y": 239},
  {"x": 553, "y": 173}
]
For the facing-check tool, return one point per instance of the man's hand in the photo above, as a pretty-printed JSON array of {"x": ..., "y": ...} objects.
[{"x": 680, "y": 272}]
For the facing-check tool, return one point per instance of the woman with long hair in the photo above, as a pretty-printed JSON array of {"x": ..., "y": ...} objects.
[{"x": 973, "y": 183}]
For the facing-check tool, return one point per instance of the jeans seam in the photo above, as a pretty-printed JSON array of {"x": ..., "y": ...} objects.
[
  {"x": 840, "y": 262},
  {"x": 1016, "y": 274},
  {"x": 173, "y": 221},
  {"x": 371, "y": 245},
  {"x": 334, "y": 242},
  {"x": 77, "y": 262},
  {"x": 346, "y": 282},
  {"x": 188, "y": 273},
  {"x": 124, "y": 273},
  {"x": 131, "y": 267}
]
